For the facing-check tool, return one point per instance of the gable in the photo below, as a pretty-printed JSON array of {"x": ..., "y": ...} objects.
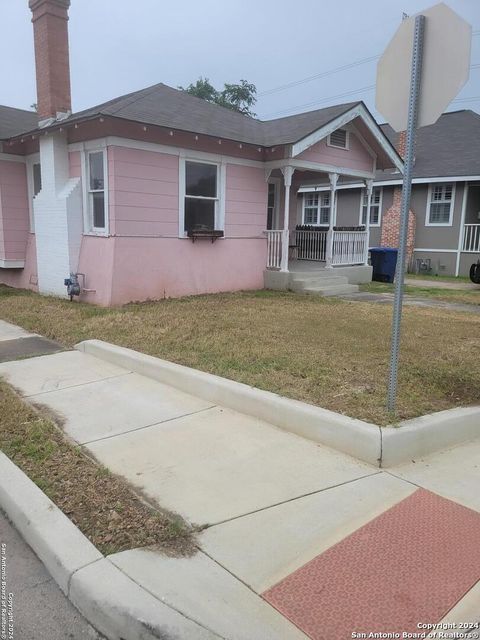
[{"x": 356, "y": 155}]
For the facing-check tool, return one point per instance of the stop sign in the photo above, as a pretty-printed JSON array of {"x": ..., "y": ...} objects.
[{"x": 445, "y": 68}]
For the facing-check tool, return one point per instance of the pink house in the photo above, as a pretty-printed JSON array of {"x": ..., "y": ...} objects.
[{"x": 158, "y": 193}]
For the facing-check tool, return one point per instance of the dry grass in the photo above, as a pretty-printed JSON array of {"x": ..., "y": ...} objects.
[
  {"x": 102, "y": 505},
  {"x": 325, "y": 351}
]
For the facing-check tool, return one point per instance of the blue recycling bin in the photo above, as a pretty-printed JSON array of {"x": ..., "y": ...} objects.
[{"x": 384, "y": 263}]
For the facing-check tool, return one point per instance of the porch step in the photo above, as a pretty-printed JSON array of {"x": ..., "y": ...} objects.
[
  {"x": 331, "y": 290},
  {"x": 305, "y": 282}
]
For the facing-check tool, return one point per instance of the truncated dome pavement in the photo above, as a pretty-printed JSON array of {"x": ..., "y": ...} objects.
[{"x": 409, "y": 565}]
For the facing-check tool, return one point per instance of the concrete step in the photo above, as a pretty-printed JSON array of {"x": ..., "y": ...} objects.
[
  {"x": 331, "y": 290},
  {"x": 304, "y": 283}
]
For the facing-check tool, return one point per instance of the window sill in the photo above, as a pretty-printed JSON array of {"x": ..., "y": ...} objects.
[
  {"x": 97, "y": 234},
  {"x": 438, "y": 224}
]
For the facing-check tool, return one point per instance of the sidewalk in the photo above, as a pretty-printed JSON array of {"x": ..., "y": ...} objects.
[{"x": 298, "y": 540}]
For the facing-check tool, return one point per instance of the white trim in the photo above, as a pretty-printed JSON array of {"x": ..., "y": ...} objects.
[
  {"x": 429, "y": 204},
  {"x": 363, "y": 192},
  {"x": 88, "y": 228},
  {"x": 219, "y": 199},
  {"x": 11, "y": 264},
  {"x": 436, "y": 250},
  {"x": 461, "y": 229},
  {"x": 309, "y": 189},
  {"x": 32, "y": 159},
  {"x": 115, "y": 141},
  {"x": 347, "y": 139},
  {"x": 387, "y": 183},
  {"x": 10, "y": 157},
  {"x": 317, "y": 166},
  {"x": 357, "y": 111}
]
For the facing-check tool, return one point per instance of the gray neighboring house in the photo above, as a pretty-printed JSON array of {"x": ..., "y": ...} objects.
[{"x": 445, "y": 196}]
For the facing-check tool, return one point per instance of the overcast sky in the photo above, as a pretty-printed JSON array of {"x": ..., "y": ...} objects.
[{"x": 118, "y": 46}]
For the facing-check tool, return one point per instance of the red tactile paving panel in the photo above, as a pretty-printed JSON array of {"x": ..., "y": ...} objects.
[{"x": 411, "y": 564}]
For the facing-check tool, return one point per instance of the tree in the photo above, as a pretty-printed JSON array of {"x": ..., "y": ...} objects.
[{"x": 237, "y": 97}]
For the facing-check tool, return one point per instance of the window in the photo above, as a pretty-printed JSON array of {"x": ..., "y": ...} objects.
[
  {"x": 37, "y": 179},
  {"x": 96, "y": 191},
  {"x": 375, "y": 207},
  {"x": 440, "y": 204},
  {"x": 316, "y": 208},
  {"x": 271, "y": 205},
  {"x": 201, "y": 196},
  {"x": 338, "y": 138}
]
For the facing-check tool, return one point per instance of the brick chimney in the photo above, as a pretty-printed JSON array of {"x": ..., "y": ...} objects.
[
  {"x": 391, "y": 219},
  {"x": 50, "y": 29}
]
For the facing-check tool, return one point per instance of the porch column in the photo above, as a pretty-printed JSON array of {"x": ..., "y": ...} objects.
[
  {"x": 333, "y": 177},
  {"x": 287, "y": 178},
  {"x": 369, "y": 187}
]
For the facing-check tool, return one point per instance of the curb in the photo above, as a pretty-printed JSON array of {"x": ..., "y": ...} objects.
[
  {"x": 111, "y": 602},
  {"x": 384, "y": 447},
  {"x": 359, "y": 439}
]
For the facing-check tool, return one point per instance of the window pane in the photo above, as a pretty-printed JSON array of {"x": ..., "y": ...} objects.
[
  {"x": 310, "y": 216},
  {"x": 199, "y": 214},
  {"x": 200, "y": 179},
  {"x": 440, "y": 212},
  {"x": 374, "y": 214},
  {"x": 324, "y": 215},
  {"x": 98, "y": 209},
  {"x": 271, "y": 194},
  {"x": 37, "y": 179},
  {"x": 96, "y": 171}
]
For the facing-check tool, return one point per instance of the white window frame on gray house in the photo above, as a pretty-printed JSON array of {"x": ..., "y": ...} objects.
[
  {"x": 218, "y": 199},
  {"x": 316, "y": 206},
  {"x": 89, "y": 191},
  {"x": 375, "y": 207},
  {"x": 437, "y": 199},
  {"x": 333, "y": 139}
]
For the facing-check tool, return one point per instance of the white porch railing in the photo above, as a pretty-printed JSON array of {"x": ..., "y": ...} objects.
[
  {"x": 471, "y": 238},
  {"x": 349, "y": 247},
  {"x": 311, "y": 245},
  {"x": 274, "y": 248}
]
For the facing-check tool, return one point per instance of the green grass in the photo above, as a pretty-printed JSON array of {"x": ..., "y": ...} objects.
[
  {"x": 325, "y": 351},
  {"x": 459, "y": 296}
]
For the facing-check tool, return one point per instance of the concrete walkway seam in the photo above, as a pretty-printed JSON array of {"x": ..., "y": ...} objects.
[
  {"x": 380, "y": 446},
  {"x": 110, "y": 601}
]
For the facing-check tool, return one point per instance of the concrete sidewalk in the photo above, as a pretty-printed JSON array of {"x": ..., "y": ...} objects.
[{"x": 273, "y": 507}]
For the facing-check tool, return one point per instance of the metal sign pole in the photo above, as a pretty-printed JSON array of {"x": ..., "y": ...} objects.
[{"x": 417, "y": 55}]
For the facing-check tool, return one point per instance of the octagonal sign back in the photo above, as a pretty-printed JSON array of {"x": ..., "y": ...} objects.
[{"x": 445, "y": 67}]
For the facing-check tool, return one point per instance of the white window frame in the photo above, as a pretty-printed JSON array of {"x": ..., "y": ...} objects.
[
  {"x": 276, "y": 206},
  {"x": 429, "y": 204},
  {"x": 31, "y": 160},
  {"x": 363, "y": 196},
  {"x": 319, "y": 194},
  {"x": 219, "y": 199},
  {"x": 88, "y": 228},
  {"x": 347, "y": 139}
]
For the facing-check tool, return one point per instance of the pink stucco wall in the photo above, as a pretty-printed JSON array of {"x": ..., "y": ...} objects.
[
  {"x": 356, "y": 157},
  {"x": 75, "y": 163},
  {"x": 14, "y": 213},
  {"x": 245, "y": 201}
]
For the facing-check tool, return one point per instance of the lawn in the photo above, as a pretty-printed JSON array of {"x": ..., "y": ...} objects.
[
  {"x": 460, "y": 296},
  {"x": 325, "y": 351}
]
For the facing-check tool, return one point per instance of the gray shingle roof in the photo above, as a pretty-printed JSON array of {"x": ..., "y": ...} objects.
[
  {"x": 450, "y": 147},
  {"x": 16, "y": 121},
  {"x": 167, "y": 107}
]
